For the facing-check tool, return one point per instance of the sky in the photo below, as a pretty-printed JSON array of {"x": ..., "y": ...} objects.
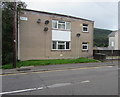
[{"x": 104, "y": 13}]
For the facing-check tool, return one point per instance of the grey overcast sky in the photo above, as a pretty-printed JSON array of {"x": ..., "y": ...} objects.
[{"x": 103, "y": 12}]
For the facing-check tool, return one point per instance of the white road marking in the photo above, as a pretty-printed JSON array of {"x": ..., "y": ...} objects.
[
  {"x": 86, "y": 81},
  {"x": 59, "y": 85},
  {"x": 109, "y": 66},
  {"x": 18, "y": 91},
  {"x": 40, "y": 88}
]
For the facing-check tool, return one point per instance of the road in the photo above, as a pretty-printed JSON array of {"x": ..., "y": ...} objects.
[{"x": 79, "y": 81}]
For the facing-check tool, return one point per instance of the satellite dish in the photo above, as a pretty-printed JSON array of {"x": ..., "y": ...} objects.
[
  {"x": 46, "y": 29},
  {"x": 38, "y": 21},
  {"x": 47, "y": 22},
  {"x": 78, "y": 34}
]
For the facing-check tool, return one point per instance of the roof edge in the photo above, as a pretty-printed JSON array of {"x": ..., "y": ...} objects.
[{"x": 50, "y": 13}]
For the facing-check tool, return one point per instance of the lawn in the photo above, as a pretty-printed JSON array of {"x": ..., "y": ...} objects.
[{"x": 50, "y": 62}]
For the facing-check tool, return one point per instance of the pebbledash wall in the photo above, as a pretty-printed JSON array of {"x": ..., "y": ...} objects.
[{"x": 44, "y": 35}]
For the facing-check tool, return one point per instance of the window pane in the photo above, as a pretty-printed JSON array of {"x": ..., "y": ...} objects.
[
  {"x": 85, "y": 25},
  {"x": 54, "y": 45},
  {"x": 67, "y": 45},
  {"x": 84, "y": 43},
  {"x": 61, "y": 26},
  {"x": 68, "y": 25},
  {"x": 84, "y": 47},
  {"x": 61, "y": 46},
  {"x": 112, "y": 43},
  {"x": 54, "y": 24},
  {"x": 62, "y": 22},
  {"x": 61, "y": 43},
  {"x": 85, "y": 29}
]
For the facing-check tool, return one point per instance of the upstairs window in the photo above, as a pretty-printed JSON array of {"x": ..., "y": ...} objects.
[
  {"x": 61, "y": 25},
  {"x": 68, "y": 26},
  {"x": 54, "y": 24},
  {"x": 85, "y": 28}
]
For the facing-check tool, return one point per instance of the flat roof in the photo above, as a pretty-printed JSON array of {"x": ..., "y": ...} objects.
[{"x": 49, "y": 13}]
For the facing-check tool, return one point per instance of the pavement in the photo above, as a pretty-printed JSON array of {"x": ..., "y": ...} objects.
[{"x": 57, "y": 67}]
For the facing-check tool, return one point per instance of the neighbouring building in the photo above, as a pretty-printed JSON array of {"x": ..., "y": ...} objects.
[
  {"x": 114, "y": 40},
  {"x": 44, "y": 35}
]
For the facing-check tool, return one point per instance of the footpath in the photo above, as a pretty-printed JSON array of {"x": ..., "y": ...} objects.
[{"x": 57, "y": 67}]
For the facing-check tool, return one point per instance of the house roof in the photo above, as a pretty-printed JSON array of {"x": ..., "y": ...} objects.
[
  {"x": 49, "y": 13},
  {"x": 112, "y": 34}
]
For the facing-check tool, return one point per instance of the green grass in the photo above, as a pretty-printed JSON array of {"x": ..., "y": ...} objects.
[{"x": 49, "y": 62}]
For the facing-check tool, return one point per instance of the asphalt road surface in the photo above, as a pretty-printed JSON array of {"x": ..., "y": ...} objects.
[{"x": 87, "y": 81}]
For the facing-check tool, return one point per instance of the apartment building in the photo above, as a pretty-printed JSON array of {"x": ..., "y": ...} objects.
[{"x": 44, "y": 35}]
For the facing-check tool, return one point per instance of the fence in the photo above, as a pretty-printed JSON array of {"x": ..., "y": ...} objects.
[{"x": 107, "y": 52}]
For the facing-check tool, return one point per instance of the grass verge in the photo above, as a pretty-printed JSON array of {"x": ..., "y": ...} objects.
[{"x": 50, "y": 62}]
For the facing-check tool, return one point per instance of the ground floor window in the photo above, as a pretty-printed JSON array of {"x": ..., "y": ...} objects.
[
  {"x": 85, "y": 46},
  {"x": 60, "y": 45}
]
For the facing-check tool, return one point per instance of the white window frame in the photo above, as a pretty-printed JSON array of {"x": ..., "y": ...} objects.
[
  {"x": 57, "y": 24},
  {"x": 55, "y": 46},
  {"x": 66, "y": 25},
  {"x": 63, "y": 44},
  {"x": 85, "y": 27},
  {"x": 112, "y": 44},
  {"x": 85, "y": 44},
  {"x": 62, "y": 23},
  {"x": 58, "y": 44}
]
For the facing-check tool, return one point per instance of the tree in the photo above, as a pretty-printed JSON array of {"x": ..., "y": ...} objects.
[
  {"x": 7, "y": 29},
  {"x": 101, "y": 37}
]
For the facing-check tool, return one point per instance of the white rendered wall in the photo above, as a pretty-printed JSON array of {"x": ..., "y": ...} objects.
[{"x": 61, "y": 35}]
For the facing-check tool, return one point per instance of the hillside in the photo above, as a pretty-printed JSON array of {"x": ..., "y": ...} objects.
[{"x": 101, "y": 37}]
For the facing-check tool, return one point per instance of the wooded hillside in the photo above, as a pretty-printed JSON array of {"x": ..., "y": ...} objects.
[{"x": 101, "y": 37}]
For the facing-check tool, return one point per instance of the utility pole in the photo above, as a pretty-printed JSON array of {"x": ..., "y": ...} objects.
[{"x": 14, "y": 34}]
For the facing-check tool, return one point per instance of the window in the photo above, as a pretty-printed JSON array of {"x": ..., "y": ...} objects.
[
  {"x": 60, "y": 45},
  {"x": 54, "y": 24},
  {"x": 68, "y": 26},
  {"x": 112, "y": 43},
  {"x": 67, "y": 45},
  {"x": 62, "y": 25},
  {"x": 85, "y": 27},
  {"x": 84, "y": 46},
  {"x": 54, "y": 45}
]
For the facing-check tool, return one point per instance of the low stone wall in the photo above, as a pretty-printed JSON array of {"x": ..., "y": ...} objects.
[{"x": 107, "y": 52}]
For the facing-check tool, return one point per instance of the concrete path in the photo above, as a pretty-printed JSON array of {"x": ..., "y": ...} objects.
[{"x": 57, "y": 67}]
